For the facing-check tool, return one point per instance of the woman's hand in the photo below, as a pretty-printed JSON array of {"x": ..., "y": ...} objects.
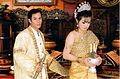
[
  {"x": 87, "y": 61},
  {"x": 93, "y": 62},
  {"x": 99, "y": 60}
]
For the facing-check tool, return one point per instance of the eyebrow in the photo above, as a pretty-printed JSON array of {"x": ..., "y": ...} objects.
[
  {"x": 37, "y": 17},
  {"x": 86, "y": 21}
]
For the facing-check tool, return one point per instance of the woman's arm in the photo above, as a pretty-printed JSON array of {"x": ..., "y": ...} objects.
[{"x": 68, "y": 46}]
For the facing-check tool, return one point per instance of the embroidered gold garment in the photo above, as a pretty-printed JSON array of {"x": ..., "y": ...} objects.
[
  {"x": 27, "y": 54},
  {"x": 81, "y": 48}
]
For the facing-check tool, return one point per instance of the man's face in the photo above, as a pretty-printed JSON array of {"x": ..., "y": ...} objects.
[{"x": 36, "y": 20}]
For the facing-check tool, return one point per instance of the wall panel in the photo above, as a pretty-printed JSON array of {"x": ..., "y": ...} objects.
[{"x": 59, "y": 5}]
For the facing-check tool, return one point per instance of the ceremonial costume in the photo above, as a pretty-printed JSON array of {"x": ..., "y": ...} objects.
[
  {"x": 29, "y": 50},
  {"x": 81, "y": 49}
]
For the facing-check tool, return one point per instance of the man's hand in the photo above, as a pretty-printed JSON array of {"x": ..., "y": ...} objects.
[{"x": 38, "y": 69}]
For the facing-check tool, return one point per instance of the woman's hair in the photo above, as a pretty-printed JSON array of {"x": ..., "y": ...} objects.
[
  {"x": 84, "y": 13},
  {"x": 33, "y": 11},
  {"x": 82, "y": 9}
]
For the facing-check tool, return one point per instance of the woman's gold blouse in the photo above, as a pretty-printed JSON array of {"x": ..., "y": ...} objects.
[{"x": 82, "y": 41}]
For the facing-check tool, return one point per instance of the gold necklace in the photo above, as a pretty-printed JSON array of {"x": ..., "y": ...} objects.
[{"x": 82, "y": 34}]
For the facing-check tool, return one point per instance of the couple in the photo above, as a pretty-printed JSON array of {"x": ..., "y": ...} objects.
[{"x": 31, "y": 60}]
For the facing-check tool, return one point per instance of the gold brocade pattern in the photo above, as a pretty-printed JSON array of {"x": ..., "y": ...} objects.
[
  {"x": 35, "y": 43},
  {"x": 18, "y": 50},
  {"x": 81, "y": 48},
  {"x": 39, "y": 60},
  {"x": 81, "y": 45},
  {"x": 52, "y": 64}
]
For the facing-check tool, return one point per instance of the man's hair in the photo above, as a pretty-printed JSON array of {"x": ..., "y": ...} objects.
[{"x": 33, "y": 11}]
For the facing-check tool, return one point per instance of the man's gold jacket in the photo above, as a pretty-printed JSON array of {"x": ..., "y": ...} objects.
[{"x": 25, "y": 57}]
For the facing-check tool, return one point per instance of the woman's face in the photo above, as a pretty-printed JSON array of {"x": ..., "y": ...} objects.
[
  {"x": 36, "y": 21},
  {"x": 84, "y": 23}
]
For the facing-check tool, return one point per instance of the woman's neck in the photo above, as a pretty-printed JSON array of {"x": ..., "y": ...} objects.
[{"x": 82, "y": 31}]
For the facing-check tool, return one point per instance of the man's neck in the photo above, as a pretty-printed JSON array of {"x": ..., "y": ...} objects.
[{"x": 36, "y": 29}]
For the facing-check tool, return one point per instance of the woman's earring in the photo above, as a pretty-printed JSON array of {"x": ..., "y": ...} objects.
[{"x": 77, "y": 25}]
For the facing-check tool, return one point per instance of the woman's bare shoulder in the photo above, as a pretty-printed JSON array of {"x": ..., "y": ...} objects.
[
  {"x": 71, "y": 36},
  {"x": 72, "y": 33}
]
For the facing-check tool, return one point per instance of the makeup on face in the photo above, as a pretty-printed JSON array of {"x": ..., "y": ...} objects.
[{"x": 86, "y": 20}]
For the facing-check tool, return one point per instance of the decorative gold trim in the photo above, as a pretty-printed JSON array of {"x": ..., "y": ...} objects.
[
  {"x": 37, "y": 51},
  {"x": 108, "y": 3},
  {"x": 18, "y": 50},
  {"x": 33, "y": 2},
  {"x": 71, "y": 1}
]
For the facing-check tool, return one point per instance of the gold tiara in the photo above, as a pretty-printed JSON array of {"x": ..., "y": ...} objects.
[{"x": 81, "y": 7}]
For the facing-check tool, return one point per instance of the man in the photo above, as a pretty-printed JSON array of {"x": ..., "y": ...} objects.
[{"x": 31, "y": 60}]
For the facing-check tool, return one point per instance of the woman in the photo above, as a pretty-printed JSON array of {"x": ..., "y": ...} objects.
[{"x": 78, "y": 45}]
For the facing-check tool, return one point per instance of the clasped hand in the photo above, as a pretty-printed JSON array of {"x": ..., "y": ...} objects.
[
  {"x": 93, "y": 62},
  {"x": 38, "y": 69}
]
